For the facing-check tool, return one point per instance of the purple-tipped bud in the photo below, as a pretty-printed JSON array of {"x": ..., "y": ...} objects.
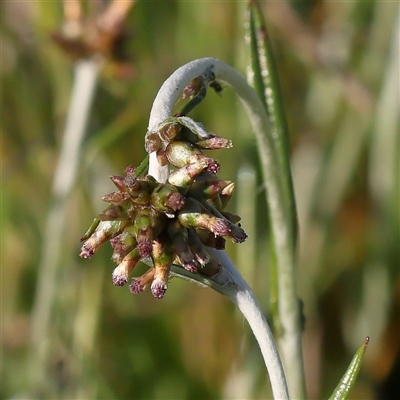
[
  {"x": 144, "y": 246},
  {"x": 197, "y": 248},
  {"x": 214, "y": 143},
  {"x": 129, "y": 170},
  {"x": 183, "y": 177},
  {"x": 163, "y": 256},
  {"x": 121, "y": 273},
  {"x": 131, "y": 183},
  {"x": 178, "y": 237},
  {"x": 167, "y": 199},
  {"x": 104, "y": 231},
  {"x": 123, "y": 244},
  {"x": 195, "y": 215},
  {"x": 139, "y": 284},
  {"x": 207, "y": 189},
  {"x": 180, "y": 153},
  {"x": 212, "y": 166},
  {"x": 158, "y": 288},
  {"x": 146, "y": 227},
  {"x": 237, "y": 234}
]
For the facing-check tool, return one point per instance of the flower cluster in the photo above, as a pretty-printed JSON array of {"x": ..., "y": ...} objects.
[{"x": 168, "y": 223}]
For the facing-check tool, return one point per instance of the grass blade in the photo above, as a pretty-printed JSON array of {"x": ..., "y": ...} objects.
[{"x": 348, "y": 380}]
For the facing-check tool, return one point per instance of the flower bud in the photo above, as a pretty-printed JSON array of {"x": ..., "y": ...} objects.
[
  {"x": 178, "y": 237},
  {"x": 163, "y": 256},
  {"x": 237, "y": 234},
  {"x": 123, "y": 244},
  {"x": 181, "y": 153},
  {"x": 183, "y": 177},
  {"x": 104, "y": 231},
  {"x": 207, "y": 189},
  {"x": 197, "y": 247},
  {"x": 167, "y": 199},
  {"x": 139, "y": 284},
  {"x": 196, "y": 215},
  {"x": 214, "y": 143},
  {"x": 121, "y": 273},
  {"x": 146, "y": 227}
]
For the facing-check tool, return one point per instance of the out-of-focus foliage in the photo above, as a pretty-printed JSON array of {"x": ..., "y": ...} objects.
[{"x": 338, "y": 63}]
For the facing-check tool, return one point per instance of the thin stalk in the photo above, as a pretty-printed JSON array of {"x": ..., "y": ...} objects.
[
  {"x": 85, "y": 80},
  {"x": 280, "y": 221}
]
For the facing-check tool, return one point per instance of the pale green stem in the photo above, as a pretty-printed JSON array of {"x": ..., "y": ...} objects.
[
  {"x": 85, "y": 79},
  {"x": 290, "y": 341}
]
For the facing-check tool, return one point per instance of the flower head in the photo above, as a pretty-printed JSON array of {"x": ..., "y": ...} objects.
[{"x": 168, "y": 223}]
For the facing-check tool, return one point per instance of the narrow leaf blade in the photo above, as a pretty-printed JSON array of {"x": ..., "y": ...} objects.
[{"x": 348, "y": 380}]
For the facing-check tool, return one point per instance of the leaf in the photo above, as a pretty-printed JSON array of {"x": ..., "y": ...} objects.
[{"x": 348, "y": 380}]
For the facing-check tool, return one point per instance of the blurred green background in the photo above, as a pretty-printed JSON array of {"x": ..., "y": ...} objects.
[{"x": 339, "y": 69}]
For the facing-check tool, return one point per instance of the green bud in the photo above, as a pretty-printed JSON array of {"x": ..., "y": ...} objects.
[
  {"x": 146, "y": 227},
  {"x": 196, "y": 215},
  {"x": 184, "y": 176},
  {"x": 123, "y": 244},
  {"x": 167, "y": 199},
  {"x": 181, "y": 153}
]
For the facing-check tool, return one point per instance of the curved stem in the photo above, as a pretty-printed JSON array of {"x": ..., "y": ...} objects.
[{"x": 290, "y": 341}]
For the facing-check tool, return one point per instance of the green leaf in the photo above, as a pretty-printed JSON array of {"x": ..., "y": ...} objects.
[
  {"x": 348, "y": 380},
  {"x": 263, "y": 76}
]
